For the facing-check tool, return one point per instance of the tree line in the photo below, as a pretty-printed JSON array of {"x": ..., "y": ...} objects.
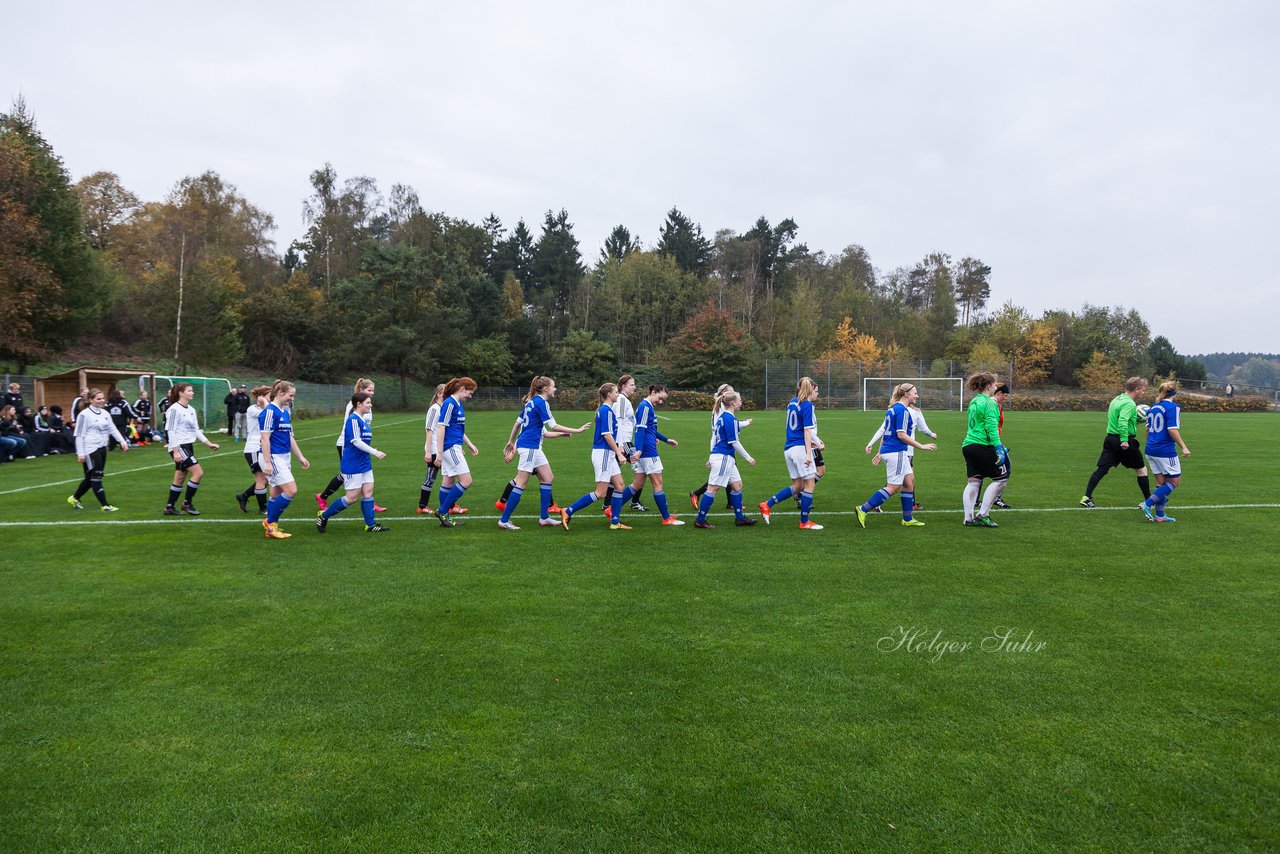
[{"x": 381, "y": 283}]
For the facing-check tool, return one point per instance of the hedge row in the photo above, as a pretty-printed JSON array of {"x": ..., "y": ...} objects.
[{"x": 1089, "y": 402}]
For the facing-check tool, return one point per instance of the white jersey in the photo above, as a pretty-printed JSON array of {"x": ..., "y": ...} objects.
[
  {"x": 433, "y": 417},
  {"x": 626, "y": 415},
  {"x": 252, "y": 432},
  {"x": 346, "y": 413},
  {"x": 182, "y": 427},
  {"x": 94, "y": 429}
]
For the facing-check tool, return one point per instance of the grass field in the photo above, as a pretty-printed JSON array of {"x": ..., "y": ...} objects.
[{"x": 188, "y": 685}]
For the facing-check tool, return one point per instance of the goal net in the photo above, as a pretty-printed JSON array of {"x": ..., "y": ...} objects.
[
  {"x": 935, "y": 392},
  {"x": 208, "y": 400}
]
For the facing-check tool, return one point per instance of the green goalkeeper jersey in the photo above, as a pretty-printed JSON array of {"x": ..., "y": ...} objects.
[
  {"x": 1122, "y": 416},
  {"x": 984, "y": 422}
]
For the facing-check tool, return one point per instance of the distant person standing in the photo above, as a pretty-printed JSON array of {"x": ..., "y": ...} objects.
[
  {"x": 13, "y": 397},
  {"x": 242, "y": 403},
  {"x": 142, "y": 408},
  {"x": 230, "y": 403},
  {"x": 1231, "y": 390},
  {"x": 120, "y": 411},
  {"x": 79, "y": 403},
  {"x": 1120, "y": 446}
]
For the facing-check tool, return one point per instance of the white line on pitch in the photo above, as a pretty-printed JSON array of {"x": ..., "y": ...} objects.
[
  {"x": 164, "y": 464},
  {"x": 303, "y": 519}
]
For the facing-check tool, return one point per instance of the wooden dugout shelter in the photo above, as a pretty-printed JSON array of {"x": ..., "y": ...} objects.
[{"x": 61, "y": 389}]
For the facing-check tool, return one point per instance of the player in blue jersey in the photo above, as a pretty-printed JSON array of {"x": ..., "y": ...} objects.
[
  {"x": 606, "y": 459},
  {"x": 357, "y": 466},
  {"x": 644, "y": 459},
  {"x": 725, "y": 445},
  {"x": 1164, "y": 440},
  {"x": 451, "y": 434},
  {"x": 525, "y": 443},
  {"x": 279, "y": 446},
  {"x": 894, "y": 447},
  {"x": 799, "y": 449},
  {"x": 716, "y": 409}
]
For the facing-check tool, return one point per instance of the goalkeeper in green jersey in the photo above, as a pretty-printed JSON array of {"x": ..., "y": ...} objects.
[
  {"x": 1120, "y": 445},
  {"x": 984, "y": 455}
]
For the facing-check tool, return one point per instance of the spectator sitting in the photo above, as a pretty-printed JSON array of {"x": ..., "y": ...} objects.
[
  {"x": 12, "y": 441},
  {"x": 37, "y": 439},
  {"x": 57, "y": 439},
  {"x": 64, "y": 438}
]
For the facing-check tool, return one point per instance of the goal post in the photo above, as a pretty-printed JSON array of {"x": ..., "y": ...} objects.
[
  {"x": 210, "y": 392},
  {"x": 935, "y": 392}
]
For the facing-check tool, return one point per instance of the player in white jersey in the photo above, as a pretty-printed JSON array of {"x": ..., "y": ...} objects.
[
  {"x": 917, "y": 425},
  {"x": 717, "y": 407},
  {"x": 182, "y": 431},
  {"x": 252, "y": 450},
  {"x": 335, "y": 483},
  {"x": 429, "y": 451},
  {"x": 94, "y": 432}
]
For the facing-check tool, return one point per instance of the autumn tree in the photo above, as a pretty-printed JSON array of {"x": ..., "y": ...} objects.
[
  {"x": 1100, "y": 373},
  {"x": 711, "y": 349}
]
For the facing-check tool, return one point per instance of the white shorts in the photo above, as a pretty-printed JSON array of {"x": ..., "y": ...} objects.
[
  {"x": 648, "y": 465},
  {"x": 605, "y": 464},
  {"x": 1167, "y": 466},
  {"x": 530, "y": 459},
  {"x": 795, "y": 463},
  {"x": 355, "y": 481},
  {"x": 724, "y": 470},
  {"x": 281, "y": 470},
  {"x": 897, "y": 465},
  {"x": 455, "y": 462}
]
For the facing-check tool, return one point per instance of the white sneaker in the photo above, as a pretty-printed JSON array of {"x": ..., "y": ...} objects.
[
  {"x": 508, "y": 526},
  {"x": 549, "y": 523}
]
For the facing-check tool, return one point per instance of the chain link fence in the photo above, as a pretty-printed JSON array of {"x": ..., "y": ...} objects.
[{"x": 841, "y": 384}]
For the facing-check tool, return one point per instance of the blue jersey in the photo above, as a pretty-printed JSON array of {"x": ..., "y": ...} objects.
[
  {"x": 800, "y": 417},
  {"x": 1160, "y": 418},
  {"x": 453, "y": 418},
  {"x": 535, "y": 414},
  {"x": 354, "y": 460},
  {"x": 606, "y": 422},
  {"x": 724, "y": 434},
  {"x": 276, "y": 420},
  {"x": 896, "y": 418},
  {"x": 647, "y": 435}
]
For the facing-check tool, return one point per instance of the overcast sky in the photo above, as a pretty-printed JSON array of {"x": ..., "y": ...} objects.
[{"x": 1119, "y": 153}]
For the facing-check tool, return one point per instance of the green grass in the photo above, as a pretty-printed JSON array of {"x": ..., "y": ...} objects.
[{"x": 188, "y": 685}]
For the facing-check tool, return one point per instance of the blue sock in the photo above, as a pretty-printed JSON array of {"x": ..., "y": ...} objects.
[
  {"x": 512, "y": 500},
  {"x": 704, "y": 505},
  {"x": 1161, "y": 494},
  {"x": 616, "y": 509},
  {"x": 735, "y": 498},
  {"x": 335, "y": 507},
  {"x": 277, "y": 506},
  {"x": 806, "y": 504},
  {"x": 908, "y": 503},
  {"x": 880, "y": 497},
  {"x": 585, "y": 501},
  {"x": 450, "y": 497},
  {"x": 783, "y": 495},
  {"x": 366, "y": 509},
  {"x": 660, "y": 498},
  {"x": 628, "y": 494},
  {"x": 544, "y": 497}
]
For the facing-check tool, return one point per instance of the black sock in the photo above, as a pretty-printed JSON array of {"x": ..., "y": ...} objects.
[
  {"x": 99, "y": 492},
  {"x": 191, "y": 491},
  {"x": 701, "y": 490},
  {"x": 1094, "y": 480},
  {"x": 261, "y": 495},
  {"x": 424, "y": 497},
  {"x": 82, "y": 489},
  {"x": 635, "y": 499},
  {"x": 175, "y": 492},
  {"x": 506, "y": 493},
  {"x": 334, "y": 486},
  {"x": 1144, "y": 483},
  {"x": 608, "y": 496}
]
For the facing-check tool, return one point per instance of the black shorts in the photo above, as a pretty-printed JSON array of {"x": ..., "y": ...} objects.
[
  {"x": 983, "y": 461},
  {"x": 188, "y": 458},
  {"x": 95, "y": 463},
  {"x": 817, "y": 458},
  {"x": 1113, "y": 455},
  {"x": 252, "y": 460}
]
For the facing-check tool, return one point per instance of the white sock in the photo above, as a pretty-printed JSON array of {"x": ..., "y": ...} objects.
[
  {"x": 970, "y": 499},
  {"x": 990, "y": 496}
]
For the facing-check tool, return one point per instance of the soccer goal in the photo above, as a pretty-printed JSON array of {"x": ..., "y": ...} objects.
[
  {"x": 208, "y": 401},
  {"x": 935, "y": 392}
]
